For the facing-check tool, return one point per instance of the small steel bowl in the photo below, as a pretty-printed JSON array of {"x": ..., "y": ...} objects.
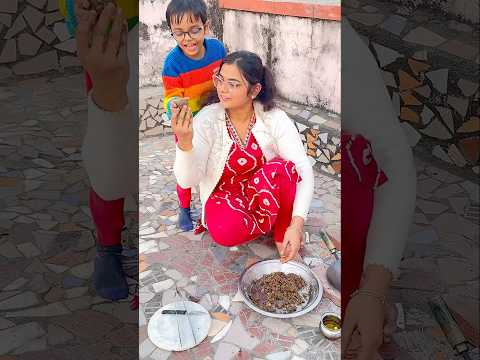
[
  {"x": 257, "y": 270},
  {"x": 328, "y": 333}
]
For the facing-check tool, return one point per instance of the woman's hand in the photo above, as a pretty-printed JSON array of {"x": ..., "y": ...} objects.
[
  {"x": 292, "y": 241},
  {"x": 182, "y": 126},
  {"x": 364, "y": 319},
  {"x": 367, "y": 318},
  {"x": 102, "y": 50}
]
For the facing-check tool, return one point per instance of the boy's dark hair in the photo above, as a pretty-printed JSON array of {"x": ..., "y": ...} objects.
[
  {"x": 252, "y": 68},
  {"x": 177, "y": 9}
]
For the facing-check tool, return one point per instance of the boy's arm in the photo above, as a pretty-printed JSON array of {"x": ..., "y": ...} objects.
[{"x": 172, "y": 86}]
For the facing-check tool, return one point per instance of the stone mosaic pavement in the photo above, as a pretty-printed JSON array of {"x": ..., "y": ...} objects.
[
  {"x": 429, "y": 62},
  {"x": 48, "y": 309},
  {"x": 441, "y": 257},
  {"x": 209, "y": 274}
]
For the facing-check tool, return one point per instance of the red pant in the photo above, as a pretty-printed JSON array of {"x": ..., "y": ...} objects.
[
  {"x": 266, "y": 204},
  {"x": 360, "y": 177},
  {"x": 184, "y": 195},
  {"x": 108, "y": 219}
]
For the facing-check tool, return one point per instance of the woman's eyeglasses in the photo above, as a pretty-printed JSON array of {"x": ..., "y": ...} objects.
[
  {"x": 194, "y": 33},
  {"x": 230, "y": 85}
]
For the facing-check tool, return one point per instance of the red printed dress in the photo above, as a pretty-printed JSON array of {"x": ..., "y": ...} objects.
[
  {"x": 253, "y": 196},
  {"x": 360, "y": 177}
]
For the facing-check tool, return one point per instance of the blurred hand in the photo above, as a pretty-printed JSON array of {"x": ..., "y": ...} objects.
[
  {"x": 366, "y": 315},
  {"x": 182, "y": 126},
  {"x": 292, "y": 240},
  {"x": 102, "y": 50}
]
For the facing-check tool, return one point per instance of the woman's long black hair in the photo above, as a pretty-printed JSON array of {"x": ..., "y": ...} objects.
[{"x": 253, "y": 70}]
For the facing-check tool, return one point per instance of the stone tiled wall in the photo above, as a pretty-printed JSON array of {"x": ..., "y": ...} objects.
[
  {"x": 430, "y": 65},
  {"x": 34, "y": 38}
]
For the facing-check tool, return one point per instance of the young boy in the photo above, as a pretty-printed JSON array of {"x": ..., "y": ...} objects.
[
  {"x": 110, "y": 147},
  {"x": 188, "y": 70}
]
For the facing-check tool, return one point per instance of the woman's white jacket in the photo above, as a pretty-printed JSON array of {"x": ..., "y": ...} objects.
[{"x": 276, "y": 135}]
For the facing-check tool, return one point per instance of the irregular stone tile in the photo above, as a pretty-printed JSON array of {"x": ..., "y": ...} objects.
[
  {"x": 87, "y": 324},
  {"x": 9, "y": 52},
  {"x": 262, "y": 250},
  {"x": 385, "y": 55},
  {"x": 409, "y": 99},
  {"x": 33, "y": 17},
  {"x": 54, "y": 309},
  {"x": 121, "y": 311},
  {"x": 425, "y": 91},
  {"x": 456, "y": 156},
  {"x": 79, "y": 303},
  {"x": 54, "y": 295},
  {"x": 83, "y": 271},
  {"x": 53, "y": 17},
  {"x": 4, "y": 71},
  {"x": 28, "y": 45},
  {"x": 39, "y": 4},
  {"x": 9, "y": 251},
  {"x": 472, "y": 189},
  {"x": 226, "y": 351},
  {"x": 412, "y": 135},
  {"x": 28, "y": 250},
  {"x": 409, "y": 115},
  {"x": 33, "y": 346},
  {"x": 456, "y": 270},
  {"x": 394, "y": 24},
  {"x": 418, "y": 66},
  {"x": 215, "y": 327},
  {"x": 439, "y": 79},
  {"x": 468, "y": 88},
  {"x": 240, "y": 337},
  {"x": 163, "y": 285},
  {"x": 366, "y": 19},
  {"x": 459, "y": 104},
  {"x": 22, "y": 300},
  {"x": 6, "y": 19},
  {"x": 17, "y": 26},
  {"x": 389, "y": 79},
  {"x": 5, "y": 324},
  {"x": 279, "y": 326},
  {"x": 470, "y": 148},
  {"x": 407, "y": 82},
  {"x": 76, "y": 292},
  {"x": 19, "y": 336},
  {"x": 460, "y": 49},
  {"x": 57, "y": 335},
  {"x": 160, "y": 354},
  {"x": 69, "y": 61},
  {"x": 40, "y": 63},
  {"x": 68, "y": 46},
  {"x": 436, "y": 130},
  {"x": 423, "y": 36},
  {"x": 15, "y": 285},
  {"x": 282, "y": 355},
  {"x": 471, "y": 125}
]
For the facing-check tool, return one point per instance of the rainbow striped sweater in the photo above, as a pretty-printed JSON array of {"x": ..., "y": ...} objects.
[{"x": 185, "y": 77}]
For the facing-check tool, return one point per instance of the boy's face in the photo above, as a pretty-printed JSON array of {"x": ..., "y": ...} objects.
[{"x": 191, "y": 43}]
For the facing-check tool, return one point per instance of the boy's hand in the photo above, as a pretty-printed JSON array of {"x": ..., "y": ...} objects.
[
  {"x": 102, "y": 49},
  {"x": 182, "y": 127}
]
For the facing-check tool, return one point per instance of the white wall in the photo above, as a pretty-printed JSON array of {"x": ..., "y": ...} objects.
[{"x": 304, "y": 53}]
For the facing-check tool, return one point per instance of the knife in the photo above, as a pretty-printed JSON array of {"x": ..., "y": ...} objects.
[{"x": 182, "y": 312}]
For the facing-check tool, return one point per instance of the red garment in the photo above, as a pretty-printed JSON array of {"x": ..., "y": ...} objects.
[
  {"x": 360, "y": 177},
  {"x": 252, "y": 197},
  {"x": 184, "y": 195},
  {"x": 108, "y": 219}
]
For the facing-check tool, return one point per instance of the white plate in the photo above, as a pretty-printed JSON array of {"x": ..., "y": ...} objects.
[{"x": 173, "y": 332}]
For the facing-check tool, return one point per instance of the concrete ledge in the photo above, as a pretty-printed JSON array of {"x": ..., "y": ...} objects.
[{"x": 296, "y": 9}]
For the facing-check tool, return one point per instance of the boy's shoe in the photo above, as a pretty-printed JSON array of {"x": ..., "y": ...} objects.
[
  {"x": 108, "y": 277},
  {"x": 184, "y": 219}
]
